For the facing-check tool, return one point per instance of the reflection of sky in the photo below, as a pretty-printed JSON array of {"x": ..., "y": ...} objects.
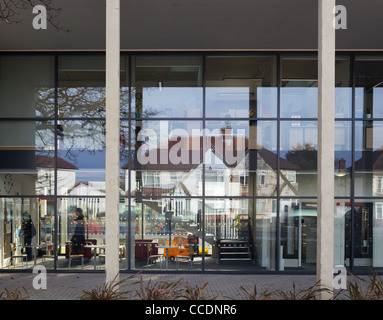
[
  {"x": 84, "y": 159},
  {"x": 90, "y": 175},
  {"x": 172, "y": 102},
  {"x": 300, "y": 101},
  {"x": 378, "y": 102},
  {"x": 227, "y": 102}
]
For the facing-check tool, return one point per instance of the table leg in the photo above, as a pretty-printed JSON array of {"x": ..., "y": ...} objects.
[
  {"x": 167, "y": 258},
  {"x": 95, "y": 258},
  {"x": 34, "y": 256}
]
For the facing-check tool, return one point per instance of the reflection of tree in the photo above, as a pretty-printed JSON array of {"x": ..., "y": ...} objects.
[
  {"x": 81, "y": 121},
  {"x": 45, "y": 102},
  {"x": 78, "y": 136},
  {"x": 81, "y": 101},
  {"x": 10, "y": 11},
  {"x": 304, "y": 157}
]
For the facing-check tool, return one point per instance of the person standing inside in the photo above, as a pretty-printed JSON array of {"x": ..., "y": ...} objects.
[{"x": 78, "y": 238}]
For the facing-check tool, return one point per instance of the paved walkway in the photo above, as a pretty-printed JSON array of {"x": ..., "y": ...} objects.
[{"x": 69, "y": 286}]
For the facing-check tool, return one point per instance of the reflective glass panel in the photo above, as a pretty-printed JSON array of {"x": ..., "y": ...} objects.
[
  {"x": 240, "y": 234},
  {"x": 343, "y": 91},
  {"x": 81, "y": 232},
  {"x": 167, "y": 159},
  {"x": 368, "y": 155},
  {"x": 167, "y": 234},
  {"x": 342, "y": 232},
  {"x": 81, "y": 90},
  {"x": 27, "y": 86},
  {"x": 81, "y": 151},
  {"x": 343, "y": 158},
  {"x": 167, "y": 86},
  {"x": 299, "y": 86},
  {"x": 298, "y": 164},
  {"x": 241, "y": 87},
  {"x": 27, "y": 158},
  {"x": 369, "y": 86},
  {"x": 298, "y": 234},
  {"x": 241, "y": 158},
  {"x": 368, "y": 240},
  {"x": 27, "y": 231}
]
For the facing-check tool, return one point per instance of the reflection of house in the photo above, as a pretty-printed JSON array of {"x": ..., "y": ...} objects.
[
  {"x": 66, "y": 174},
  {"x": 248, "y": 172},
  {"x": 369, "y": 173}
]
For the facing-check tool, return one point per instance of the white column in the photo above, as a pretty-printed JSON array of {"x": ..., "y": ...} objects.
[
  {"x": 112, "y": 138},
  {"x": 326, "y": 123}
]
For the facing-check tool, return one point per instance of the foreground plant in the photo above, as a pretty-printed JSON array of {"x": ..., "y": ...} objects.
[
  {"x": 360, "y": 289},
  {"x": 310, "y": 293},
  {"x": 109, "y": 291},
  {"x": 16, "y": 294},
  {"x": 265, "y": 295},
  {"x": 194, "y": 293},
  {"x": 161, "y": 290}
]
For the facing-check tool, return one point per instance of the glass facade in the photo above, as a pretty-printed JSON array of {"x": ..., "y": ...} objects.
[{"x": 218, "y": 161}]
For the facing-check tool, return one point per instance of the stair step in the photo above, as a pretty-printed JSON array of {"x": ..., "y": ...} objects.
[
  {"x": 246, "y": 252},
  {"x": 234, "y": 247},
  {"x": 235, "y": 259}
]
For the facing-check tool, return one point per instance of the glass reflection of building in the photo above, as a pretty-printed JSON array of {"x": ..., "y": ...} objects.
[{"x": 217, "y": 149}]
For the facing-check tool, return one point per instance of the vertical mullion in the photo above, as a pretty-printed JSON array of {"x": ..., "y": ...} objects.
[
  {"x": 352, "y": 236},
  {"x": 55, "y": 234},
  {"x": 277, "y": 229},
  {"x": 129, "y": 242},
  {"x": 203, "y": 156}
]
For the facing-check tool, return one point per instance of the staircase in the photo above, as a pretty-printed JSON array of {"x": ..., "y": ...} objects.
[{"x": 233, "y": 250}]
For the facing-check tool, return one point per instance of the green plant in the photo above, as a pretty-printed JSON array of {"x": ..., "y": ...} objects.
[
  {"x": 194, "y": 293},
  {"x": 109, "y": 291},
  {"x": 16, "y": 294},
  {"x": 161, "y": 290}
]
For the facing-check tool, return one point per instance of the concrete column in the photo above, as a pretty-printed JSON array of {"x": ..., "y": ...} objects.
[
  {"x": 112, "y": 138},
  {"x": 326, "y": 123}
]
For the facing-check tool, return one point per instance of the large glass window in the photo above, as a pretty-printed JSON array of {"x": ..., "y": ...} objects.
[{"x": 214, "y": 150}]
